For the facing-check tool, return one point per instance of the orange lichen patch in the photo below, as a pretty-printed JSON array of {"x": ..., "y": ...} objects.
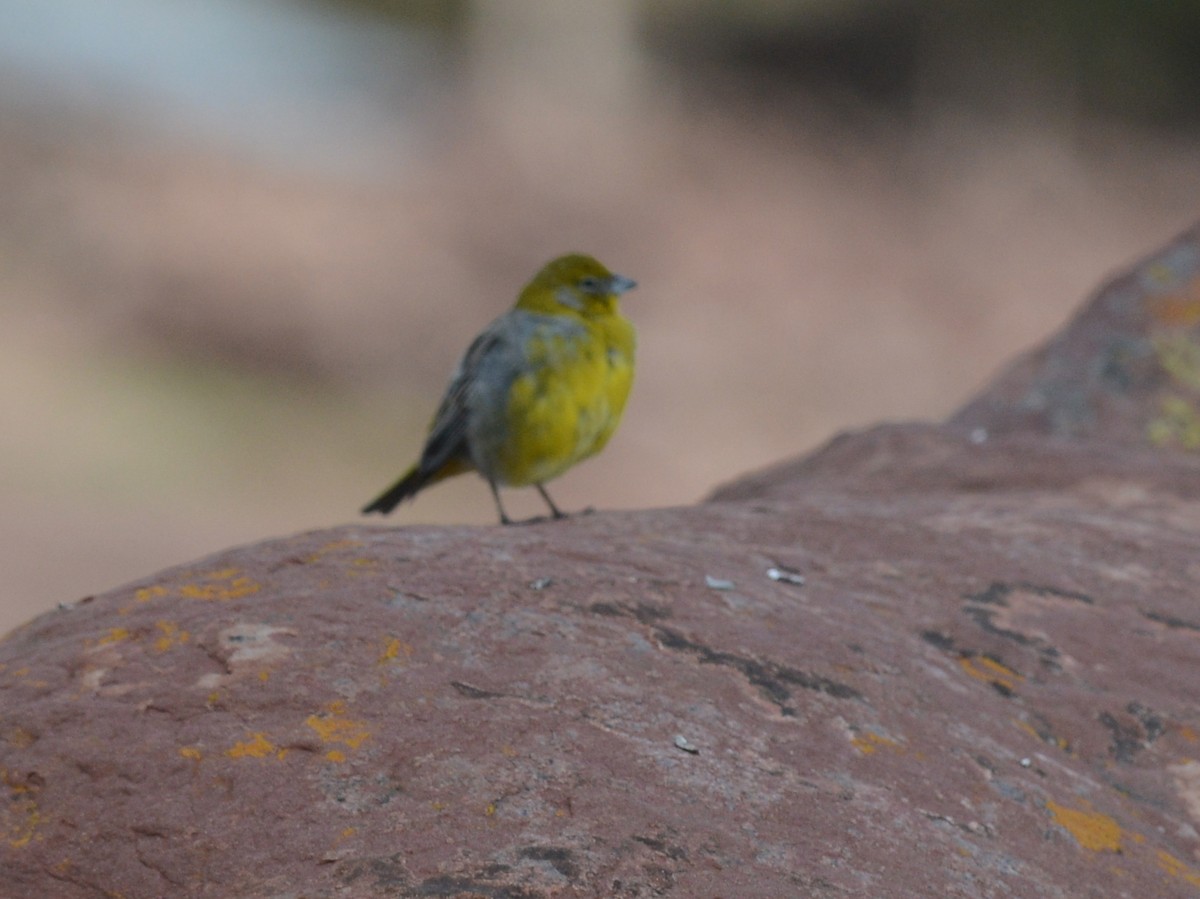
[
  {"x": 223, "y": 585},
  {"x": 20, "y": 816},
  {"x": 990, "y": 671},
  {"x": 264, "y": 675},
  {"x": 1177, "y": 311},
  {"x": 335, "y": 755},
  {"x": 332, "y": 726},
  {"x": 1091, "y": 830},
  {"x": 256, "y": 745},
  {"x": 1176, "y": 868},
  {"x": 1188, "y": 733},
  {"x": 869, "y": 743},
  {"x": 393, "y": 649},
  {"x": 190, "y": 752},
  {"x": 170, "y": 635}
]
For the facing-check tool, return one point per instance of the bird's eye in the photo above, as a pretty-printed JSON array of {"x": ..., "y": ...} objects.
[{"x": 589, "y": 284}]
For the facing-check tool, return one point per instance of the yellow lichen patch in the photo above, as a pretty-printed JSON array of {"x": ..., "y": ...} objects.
[
  {"x": 990, "y": 671},
  {"x": 1176, "y": 868},
  {"x": 256, "y": 745},
  {"x": 19, "y": 737},
  {"x": 332, "y": 726},
  {"x": 1179, "y": 356},
  {"x": 20, "y": 815},
  {"x": 190, "y": 752},
  {"x": 393, "y": 649},
  {"x": 145, "y": 594},
  {"x": 869, "y": 743},
  {"x": 1177, "y": 424},
  {"x": 328, "y": 548},
  {"x": 223, "y": 585},
  {"x": 170, "y": 634},
  {"x": 1028, "y": 728},
  {"x": 1091, "y": 830},
  {"x": 1188, "y": 733},
  {"x": 264, "y": 675},
  {"x": 114, "y": 635},
  {"x": 335, "y": 755},
  {"x": 1060, "y": 742}
]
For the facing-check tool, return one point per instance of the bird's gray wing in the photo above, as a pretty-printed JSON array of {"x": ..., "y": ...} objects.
[{"x": 448, "y": 433}]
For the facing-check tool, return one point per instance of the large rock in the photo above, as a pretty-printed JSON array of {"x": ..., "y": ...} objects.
[
  {"x": 1127, "y": 369},
  {"x": 952, "y": 660}
]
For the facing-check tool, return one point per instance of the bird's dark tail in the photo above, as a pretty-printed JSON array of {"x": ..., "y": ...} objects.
[
  {"x": 407, "y": 486},
  {"x": 413, "y": 482}
]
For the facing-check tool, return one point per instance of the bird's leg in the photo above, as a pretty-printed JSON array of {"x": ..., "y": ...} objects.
[
  {"x": 554, "y": 510},
  {"x": 504, "y": 519}
]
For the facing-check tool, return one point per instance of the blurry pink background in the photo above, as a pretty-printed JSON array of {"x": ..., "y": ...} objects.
[{"x": 242, "y": 243}]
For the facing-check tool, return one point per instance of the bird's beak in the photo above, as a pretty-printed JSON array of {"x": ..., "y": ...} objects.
[{"x": 618, "y": 284}]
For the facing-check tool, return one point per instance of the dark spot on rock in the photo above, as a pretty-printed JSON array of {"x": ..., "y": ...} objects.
[
  {"x": 997, "y": 593},
  {"x": 1152, "y": 723},
  {"x": 558, "y": 858},
  {"x": 940, "y": 640},
  {"x": 825, "y": 685},
  {"x": 1126, "y": 739},
  {"x": 607, "y": 609},
  {"x": 663, "y": 847},
  {"x": 1003, "y": 689},
  {"x": 646, "y": 613},
  {"x": 1171, "y": 621},
  {"x": 771, "y": 680},
  {"x": 1045, "y": 731},
  {"x": 474, "y": 692},
  {"x": 984, "y": 762}
]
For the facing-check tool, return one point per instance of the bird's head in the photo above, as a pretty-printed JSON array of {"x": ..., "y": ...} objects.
[{"x": 574, "y": 284}]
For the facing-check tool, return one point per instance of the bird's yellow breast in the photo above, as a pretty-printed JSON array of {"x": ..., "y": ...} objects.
[{"x": 568, "y": 401}]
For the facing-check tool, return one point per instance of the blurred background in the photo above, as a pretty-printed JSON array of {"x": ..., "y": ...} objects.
[{"x": 243, "y": 242}]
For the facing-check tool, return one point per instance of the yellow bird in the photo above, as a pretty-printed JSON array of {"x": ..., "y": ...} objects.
[{"x": 543, "y": 387}]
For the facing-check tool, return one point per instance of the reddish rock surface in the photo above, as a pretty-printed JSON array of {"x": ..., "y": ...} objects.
[
  {"x": 1127, "y": 368},
  {"x": 985, "y": 685}
]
